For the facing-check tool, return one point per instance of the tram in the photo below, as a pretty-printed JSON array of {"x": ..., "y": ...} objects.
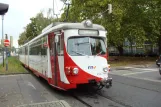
[{"x": 69, "y": 54}]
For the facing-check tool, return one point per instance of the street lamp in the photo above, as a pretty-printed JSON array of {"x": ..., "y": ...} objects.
[{"x": 3, "y": 10}]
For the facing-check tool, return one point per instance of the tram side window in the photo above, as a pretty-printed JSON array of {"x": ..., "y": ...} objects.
[
  {"x": 60, "y": 45},
  {"x": 35, "y": 48},
  {"x": 44, "y": 49},
  {"x": 23, "y": 51},
  {"x": 20, "y": 51},
  {"x": 26, "y": 50}
]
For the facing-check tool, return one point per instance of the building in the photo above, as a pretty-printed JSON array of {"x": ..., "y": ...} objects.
[
  {"x": 147, "y": 49},
  {"x": 11, "y": 41}
]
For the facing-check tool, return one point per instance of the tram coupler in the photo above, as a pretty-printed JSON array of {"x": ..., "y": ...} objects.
[
  {"x": 109, "y": 83},
  {"x": 106, "y": 82}
]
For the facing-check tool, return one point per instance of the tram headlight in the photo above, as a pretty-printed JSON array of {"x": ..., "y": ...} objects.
[
  {"x": 105, "y": 69},
  {"x": 88, "y": 23},
  {"x": 75, "y": 71}
]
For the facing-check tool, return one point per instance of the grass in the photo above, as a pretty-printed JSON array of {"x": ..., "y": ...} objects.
[
  {"x": 124, "y": 61},
  {"x": 14, "y": 67}
]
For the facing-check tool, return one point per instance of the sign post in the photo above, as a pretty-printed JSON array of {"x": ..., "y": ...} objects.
[
  {"x": 3, "y": 10},
  {"x": 6, "y": 44}
]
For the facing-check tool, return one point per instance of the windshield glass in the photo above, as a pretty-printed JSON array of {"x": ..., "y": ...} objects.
[{"x": 79, "y": 46}]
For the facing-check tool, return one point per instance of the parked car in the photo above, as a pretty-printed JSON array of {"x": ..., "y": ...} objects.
[{"x": 158, "y": 61}]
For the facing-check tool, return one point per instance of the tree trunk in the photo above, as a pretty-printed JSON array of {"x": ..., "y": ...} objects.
[{"x": 120, "y": 49}]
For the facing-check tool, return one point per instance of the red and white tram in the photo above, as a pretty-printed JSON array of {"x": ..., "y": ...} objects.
[{"x": 68, "y": 54}]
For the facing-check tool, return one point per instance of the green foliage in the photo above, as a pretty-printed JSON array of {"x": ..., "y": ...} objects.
[
  {"x": 136, "y": 20},
  {"x": 35, "y": 27},
  {"x": 14, "y": 67}
]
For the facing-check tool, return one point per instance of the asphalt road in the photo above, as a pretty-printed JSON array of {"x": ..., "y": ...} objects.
[
  {"x": 132, "y": 87},
  {"x": 150, "y": 73},
  {"x": 133, "y": 92}
]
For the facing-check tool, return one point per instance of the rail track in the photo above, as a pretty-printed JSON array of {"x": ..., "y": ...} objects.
[{"x": 94, "y": 98}]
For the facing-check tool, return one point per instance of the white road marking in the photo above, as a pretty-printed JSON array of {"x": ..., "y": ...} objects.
[
  {"x": 128, "y": 67},
  {"x": 149, "y": 69},
  {"x": 151, "y": 80},
  {"x": 30, "y": 84},
  {"x": 133, "y": 73},
  {"x": 138, "y": 78}
]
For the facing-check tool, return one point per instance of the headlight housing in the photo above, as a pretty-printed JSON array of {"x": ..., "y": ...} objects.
[
  {"x": 75, "y": 71},
  {"x": 105, "y": 69}
]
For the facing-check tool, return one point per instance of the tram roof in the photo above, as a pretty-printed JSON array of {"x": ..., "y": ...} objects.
[
  {"x": 77, "y": 26},
  {"x": 64, "y": 26}
]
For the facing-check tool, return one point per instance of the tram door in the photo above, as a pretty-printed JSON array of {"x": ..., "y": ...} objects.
[{"x": 53, "y": 57}]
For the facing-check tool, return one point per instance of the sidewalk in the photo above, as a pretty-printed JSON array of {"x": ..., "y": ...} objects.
[{"x": 24, "y": 90}]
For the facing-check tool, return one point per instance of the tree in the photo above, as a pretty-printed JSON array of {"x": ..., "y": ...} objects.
[
  {"x": 136, "y": 20},
  {"x": 96, "y": 10},
  {"x": 35, "y": 27}
]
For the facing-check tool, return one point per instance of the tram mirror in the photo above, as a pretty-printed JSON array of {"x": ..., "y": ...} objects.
[
  {"x": 56, "y": 38},
  {"x": 3, "y": 8}
]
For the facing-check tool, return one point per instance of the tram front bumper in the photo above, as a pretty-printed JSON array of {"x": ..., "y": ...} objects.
[{"x": 106, "y": 82}]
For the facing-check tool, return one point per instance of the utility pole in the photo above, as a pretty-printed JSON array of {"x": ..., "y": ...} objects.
[
  {"x": 54, "y": 12},
  {"x": 2, "y": 40},
  {"x": 53, "y": 9},
  {"x": 3, "y": 10},
  {"x": 67, "y": 11},
  {"x": 6, "y": 38}
]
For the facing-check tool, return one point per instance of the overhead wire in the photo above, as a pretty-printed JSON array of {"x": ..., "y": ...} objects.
[{"x": 57, "y": 8}]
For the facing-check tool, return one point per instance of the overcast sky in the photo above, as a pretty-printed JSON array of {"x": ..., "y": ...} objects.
[{"x": 20, "y": 12}]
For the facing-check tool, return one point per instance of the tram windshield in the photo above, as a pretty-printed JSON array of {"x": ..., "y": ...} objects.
[{"x": 80, "y": 46}]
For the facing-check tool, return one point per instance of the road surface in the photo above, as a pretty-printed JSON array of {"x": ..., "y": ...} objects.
[{"x": 132, "y": 87}]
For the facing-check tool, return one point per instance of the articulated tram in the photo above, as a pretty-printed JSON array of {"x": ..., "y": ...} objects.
[{"x": 68, "y": 55}]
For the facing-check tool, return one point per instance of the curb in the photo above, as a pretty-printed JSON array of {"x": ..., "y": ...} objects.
[
  {"x": 59, "y": 103},
  {"x": 14, "y": 73}
]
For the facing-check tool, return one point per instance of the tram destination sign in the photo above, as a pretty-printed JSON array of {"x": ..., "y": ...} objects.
[{"x": 88, "y": 32}]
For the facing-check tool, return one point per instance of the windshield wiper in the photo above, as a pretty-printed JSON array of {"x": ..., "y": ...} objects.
[
  {"x": 78, "y": 53},
  {"x": 99, "y": 53},
  {"x": 81, "y": 43}
]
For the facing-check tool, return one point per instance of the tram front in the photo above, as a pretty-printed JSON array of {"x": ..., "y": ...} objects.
[{"x": 86, "y": 56}]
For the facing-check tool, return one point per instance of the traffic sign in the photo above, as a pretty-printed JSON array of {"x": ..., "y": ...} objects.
[{"x": 6, "y": 42}]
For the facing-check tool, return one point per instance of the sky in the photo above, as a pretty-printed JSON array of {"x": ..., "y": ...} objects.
[{"x": 20, "y": 12}]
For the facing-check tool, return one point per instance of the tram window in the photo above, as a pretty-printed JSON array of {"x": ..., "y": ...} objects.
[
  {"x": 86, "y": 46},
  {"x": 60, "y": 46},
  {"x": 26, "y": 50},
  {"x": 35, "y": 50},
  {"x": 43, "y": 49},
  {"x": 20, "y": 51},
  {"x": 23, "y": 51}
]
